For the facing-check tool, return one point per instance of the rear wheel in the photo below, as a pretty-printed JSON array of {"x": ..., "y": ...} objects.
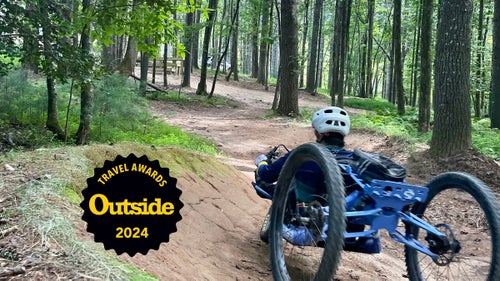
[
  {"x": 317, "y": 261},
  {"x": 463, "y": 208}
]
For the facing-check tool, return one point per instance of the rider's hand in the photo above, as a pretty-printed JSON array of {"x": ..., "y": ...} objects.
[{"x": 260, "y": 160}]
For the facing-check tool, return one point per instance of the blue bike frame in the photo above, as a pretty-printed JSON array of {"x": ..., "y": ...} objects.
[{"x": 390, "y": 199}]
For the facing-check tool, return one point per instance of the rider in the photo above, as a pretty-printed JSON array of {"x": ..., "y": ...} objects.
[{"x": 331, "y": 125}]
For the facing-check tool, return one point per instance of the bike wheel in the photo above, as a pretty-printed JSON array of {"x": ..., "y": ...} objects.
[
  {"x": 264, "y": 229},
  {"x": 291, "y": 262},
  {"x": 463, "y": 208}
]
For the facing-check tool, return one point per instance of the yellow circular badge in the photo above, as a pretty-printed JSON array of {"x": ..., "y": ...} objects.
[{"x": 131, "y": 205}]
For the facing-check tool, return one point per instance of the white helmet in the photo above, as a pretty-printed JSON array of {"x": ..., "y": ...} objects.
[{"x": 331, "y": 119}]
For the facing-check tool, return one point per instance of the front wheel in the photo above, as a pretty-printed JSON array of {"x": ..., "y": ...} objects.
[
  {"x": 314, "y": 261},
  {"x": 465, "y": 209}
]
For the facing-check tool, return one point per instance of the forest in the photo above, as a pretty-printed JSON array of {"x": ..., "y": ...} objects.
[
  {"x": 61, "y": 60},
  {"x": 203, "y": 87}
]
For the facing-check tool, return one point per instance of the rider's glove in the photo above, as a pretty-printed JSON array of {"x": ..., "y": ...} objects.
[{"x": 261, "y": 160}]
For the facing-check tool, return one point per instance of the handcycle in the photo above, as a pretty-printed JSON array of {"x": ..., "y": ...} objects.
[{"x": 449, "y": 227}]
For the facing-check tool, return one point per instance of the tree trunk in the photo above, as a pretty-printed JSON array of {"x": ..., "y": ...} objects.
[
  {"x": 255, "y": 55},
  {"x": 144, "y": 73},
  {"x": 202, "y": 85},
  {"x": 452, "y": 114},
  {"x": 313, "y": 49},
  {"x": 369, "y": 49},
  {"x": 108, "y": 56},
  {"x": 289, "y": 60},
  {"x": 304, "y": 40},
  {"x": 127, "y": 66},
  {"x": 341, "y": 37},
  {"x": 52, "y": 120},
  {"x": 478, "y": 87},
  {"x": 495, "y": 70},
  {"x": 196, "y": 42},
  {"x": 87, "y": 96},
  {"x": 188, "y": 44},
  {"x": 424, "y": 98},
  {"x": 362, "y": 71},
  {"x": 234, "y": 49},
  {"x": 266, "y": 10},
  {"x": 398, "y": 62}
]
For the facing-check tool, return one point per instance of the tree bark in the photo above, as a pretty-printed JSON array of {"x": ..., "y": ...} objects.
[
  {"x": 495, "y": 70},
  {"x": 289, "y": 60},
  {"x": 234, "y": 48},
  {"x": 304, "y": 40},
  {"x": 127, "y": 66},
  {"x": 188, "y": 44},
  {"x": 313, "y": 49},
  {"x": 202, "y": 85},
  {"x": 52, "y": 122},
  {"x": 398, "y": 91},
  {"x": 452, "y": 113},
  {"x": 424, "y": 98},
  {"x": 263, "y": 50},
  {"x": 52, "y": 119},
  {"x": 478, "y": 91},
  {"x": 144, "y": 73},
  {"x": 87, "y": 96},
  {"x": 341, "y": 37},
  {"x": 196, "y": 42},
  {"x": 369, "y": 49}
]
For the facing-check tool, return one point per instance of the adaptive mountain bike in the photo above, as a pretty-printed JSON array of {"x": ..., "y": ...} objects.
[{"x": 449, "y": 227}]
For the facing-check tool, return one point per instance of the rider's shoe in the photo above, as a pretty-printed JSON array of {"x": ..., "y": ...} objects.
[{"x": 298, "y": 235}]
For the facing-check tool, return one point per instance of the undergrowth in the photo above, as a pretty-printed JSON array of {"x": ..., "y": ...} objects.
[
  {"x": 45, "y": 208},
  {"x": 119, "y": 114},
  {"x": 381, "y": 116}
]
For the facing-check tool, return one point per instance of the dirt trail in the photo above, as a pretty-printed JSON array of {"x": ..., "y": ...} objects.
[{"x": 242, "y": 133}]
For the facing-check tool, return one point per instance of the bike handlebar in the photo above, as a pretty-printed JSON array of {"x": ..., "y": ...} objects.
[{"x": 275, "y": 153}]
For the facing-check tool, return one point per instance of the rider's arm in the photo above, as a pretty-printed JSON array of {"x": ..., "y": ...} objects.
[{"x": 270, "y": 172}]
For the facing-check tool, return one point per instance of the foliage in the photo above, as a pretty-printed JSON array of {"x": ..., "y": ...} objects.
[
  {"x": 47, "y": 209},
  {"x": 391, "y": 124},
  {"x": 120, "y": 114},
  {"x": 378, "y": 105},
  {"x": 22, "y": 101},
  {"x": 186, "y": 98},
  {"x": 386, "y": 120},
  {"x": 150, "y": 22},
  {"x": 9, "y": 50},
  {"x": 486, "y": 139}
]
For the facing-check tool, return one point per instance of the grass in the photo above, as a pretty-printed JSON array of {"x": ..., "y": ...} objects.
[
  {"x": 45, "y": 208},
  {"x": 48, "y": 212},
  {"x": 23, "y": 114},
  {"x": 381, "y": 116}
]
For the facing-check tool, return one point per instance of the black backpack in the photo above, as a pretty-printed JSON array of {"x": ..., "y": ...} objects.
[{"x": 371, "y": 166}]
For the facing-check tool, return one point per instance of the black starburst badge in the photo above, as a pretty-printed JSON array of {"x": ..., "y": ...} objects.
[{"x": 131, "y": 205}]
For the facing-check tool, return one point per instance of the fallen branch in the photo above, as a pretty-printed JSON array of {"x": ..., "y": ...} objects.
[
  {"x": 156, "y": 87},
  {"x": 8, "y": 231},
  {"x": 11, "y": 271}
]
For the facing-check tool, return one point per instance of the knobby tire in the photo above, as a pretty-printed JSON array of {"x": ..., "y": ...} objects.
[
  {"x": 336, "y": 203},
  {"x": 476, "y": 228}
]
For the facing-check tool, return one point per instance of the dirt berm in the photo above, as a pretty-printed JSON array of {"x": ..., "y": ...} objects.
[{"x": 217, "y": 238}]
